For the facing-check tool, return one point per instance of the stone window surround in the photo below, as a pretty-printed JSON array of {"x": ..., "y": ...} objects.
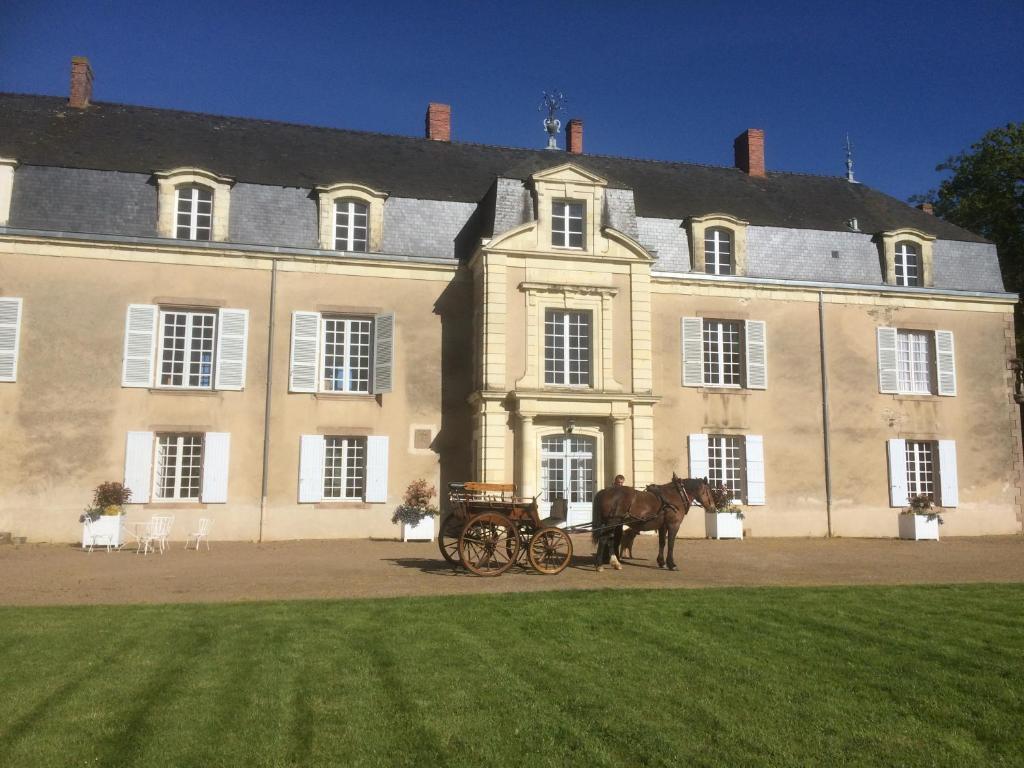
[
  {"x": 167, "y": 202},
  {"x": 595, "y": 299},
  {"x": 371, "y": 198},
  {"x": 698, "y": 227},
  {"x": 7, "y": 166},
  {"x": 888, "y": 240},
  {"x": 586, "y": 189}
]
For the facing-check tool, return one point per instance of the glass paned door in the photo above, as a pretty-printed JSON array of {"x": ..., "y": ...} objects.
[{"x": 567, "y": 472}]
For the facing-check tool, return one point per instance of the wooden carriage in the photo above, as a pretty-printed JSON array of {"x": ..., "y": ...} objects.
[{"x": 490, "y": 529}]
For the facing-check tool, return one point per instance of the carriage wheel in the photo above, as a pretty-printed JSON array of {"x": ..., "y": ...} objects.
[
  {"x": 550, "y": 551},
  {"x": 489, "y": 545},
  {"x": 448, "y": 540}
]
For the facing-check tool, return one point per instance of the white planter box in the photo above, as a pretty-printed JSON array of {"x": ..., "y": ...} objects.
[
  {"x": 723, "y": 525},
  {"x": 919, "y": 527},
  {"x": 422, "y": 531},
  {"x": 106, "y": 530}
]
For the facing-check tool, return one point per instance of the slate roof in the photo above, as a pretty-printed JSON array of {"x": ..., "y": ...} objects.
[{"x": 43, "y": 130}]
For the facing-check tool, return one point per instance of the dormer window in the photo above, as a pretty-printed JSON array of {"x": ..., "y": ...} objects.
[
  {"x": 718, "y": 251},
  {"x": 567, "y": 224},
  {"x": 193, "y": 204},
  {"x": 351, "y": 218},
  {"x": 908, "y": 264},
  {"x": 350, "y": 226},
  {"x": 194, "y": 212}
]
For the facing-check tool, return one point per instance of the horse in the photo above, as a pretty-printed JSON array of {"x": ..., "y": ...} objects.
[{"x": 660, "y": 507}]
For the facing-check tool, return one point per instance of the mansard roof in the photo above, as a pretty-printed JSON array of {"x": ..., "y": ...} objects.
[{"x": 43, "y": 130}]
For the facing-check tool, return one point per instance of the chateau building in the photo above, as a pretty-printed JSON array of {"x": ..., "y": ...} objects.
[{"x": 281, "y": 326}]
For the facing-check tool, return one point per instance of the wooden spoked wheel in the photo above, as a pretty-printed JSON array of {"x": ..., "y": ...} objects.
[
  {"x": 448, "y": 540},
  {"x": 550, "y": 551},
  {"x": 489, "y": 545}
]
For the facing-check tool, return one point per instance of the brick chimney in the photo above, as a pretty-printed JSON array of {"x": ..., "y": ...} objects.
[
  {"x": 81, "y": 83},
  {"x": 574, "y": 136},
  {"x": 749, "y": 151},
  {"x": 439, "y": 122},
  {"x": 927, "y": 208}
]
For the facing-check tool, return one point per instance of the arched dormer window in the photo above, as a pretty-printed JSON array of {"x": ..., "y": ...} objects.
[
  {"x": 351, "y": 218},
  {"x": 718, "y": 244},
  {"x": 718, "y": 251},
  {"x": 908, "y": 263},
  {"x": 907, "y": 257},
  {"x": 193, "y": 204},
  {"x": 351, "y": 225},
  {"x": 194, "y": 212}
]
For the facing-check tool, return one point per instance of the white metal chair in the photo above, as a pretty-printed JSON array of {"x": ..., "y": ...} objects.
[
  {"x": 203, "y": 534},
  {"x": 145, "y": 538},
  {"x": 91, "y": 536},
  {"x": 162, "y": 529}
]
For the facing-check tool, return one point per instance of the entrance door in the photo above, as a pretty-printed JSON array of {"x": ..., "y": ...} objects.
[{"x": 567, "y": 471}]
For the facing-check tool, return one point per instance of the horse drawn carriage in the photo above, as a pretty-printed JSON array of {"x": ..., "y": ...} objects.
[{"x": 490, "y": 529}]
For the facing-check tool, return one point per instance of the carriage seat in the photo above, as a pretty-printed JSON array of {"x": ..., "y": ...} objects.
[{"x": 559, "y": 512}]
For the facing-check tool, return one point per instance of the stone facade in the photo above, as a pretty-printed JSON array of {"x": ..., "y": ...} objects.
[{"x": 494, "y": 350}]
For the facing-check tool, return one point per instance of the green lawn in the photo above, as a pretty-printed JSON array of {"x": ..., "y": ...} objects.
[{"x": 732, "y": 677}]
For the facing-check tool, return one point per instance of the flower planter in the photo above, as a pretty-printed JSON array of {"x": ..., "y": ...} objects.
[
  {"x": 421, "y": 531},
  {"x": 919, "y": 527},
  {"x": 723, "y": 525},
  {"x": 104, "y": 531}
]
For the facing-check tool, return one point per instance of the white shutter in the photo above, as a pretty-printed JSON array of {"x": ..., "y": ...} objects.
[
  {"x": 383, "y": 352},
  {"x": 10, "y": 333},
  {"x": 698, "y": 455},
  {"x": 305, "y": 351},
  {"x": 949, "y": 491},
  {"x": 945, "y": 363},
  {"x": 755, "y": 469},
  {"x": 216, "y": 452},
  {"x": 140, "y": 328},
  {"x": 312, "y": 449},
  {"x": 138, "y": 465},
  {"x": 757, "y": 354},
  {"x": 898, "y": 473},
  {"x": 888, "y": 378},
  {"x": 232, "y": 341},
  {"x": 692, "y": 341},
  {"x": 377, "y": 468}
]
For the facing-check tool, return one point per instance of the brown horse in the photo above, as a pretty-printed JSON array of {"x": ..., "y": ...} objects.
[{"x": 660, "y": 507}]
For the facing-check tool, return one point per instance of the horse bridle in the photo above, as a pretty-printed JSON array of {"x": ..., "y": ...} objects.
[{"x": 680, "y": 487}]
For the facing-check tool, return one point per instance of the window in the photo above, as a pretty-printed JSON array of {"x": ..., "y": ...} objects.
[
  {"x": 734, "y": 461},
  {"x": 186, "y": 349},
  {"x": 342, "y": 354},
  {"x": 350, "y": 226},
  {"x": 346, "y": 354},
  {"x": 179, "y": 466},
  {"x": 921, "y": 466},
  {"x": 914, "y": 360},
  {"x": 566, "y": 224},
  {"x": 567, "y": 348},
  {"x": 195, "y": 213},
  {"x": 718, "y": 251},
  {"x": 908, "y": 264},
  {"x": 726, "y": 464},
  {"x": 344, "y": 468},
  {"x": 723, "y": 352}
]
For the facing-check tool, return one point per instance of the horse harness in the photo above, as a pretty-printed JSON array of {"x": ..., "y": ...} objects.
[{"x": 665, "y": 504}]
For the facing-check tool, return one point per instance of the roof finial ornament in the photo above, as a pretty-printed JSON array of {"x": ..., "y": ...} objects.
[
  {"x": 553, "y": 102},
  {"x": 849, "y": 161}
]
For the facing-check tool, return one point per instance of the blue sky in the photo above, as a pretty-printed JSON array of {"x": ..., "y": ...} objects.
[{"x": 912, "y": 82}]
